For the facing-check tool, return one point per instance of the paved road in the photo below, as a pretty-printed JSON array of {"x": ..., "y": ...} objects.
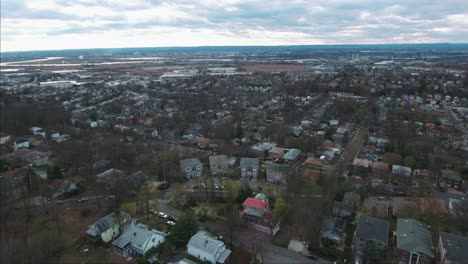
[{"x": 273, "y": 254}]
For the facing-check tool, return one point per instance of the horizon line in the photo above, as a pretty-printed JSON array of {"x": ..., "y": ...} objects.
[{"x": 240, "y": 46}]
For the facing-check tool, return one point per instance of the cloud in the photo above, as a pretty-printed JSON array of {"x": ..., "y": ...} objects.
[{"x": 52, "y": 24}]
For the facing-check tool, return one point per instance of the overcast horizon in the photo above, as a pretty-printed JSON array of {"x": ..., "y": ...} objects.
[{"x": 86, "y": 24}]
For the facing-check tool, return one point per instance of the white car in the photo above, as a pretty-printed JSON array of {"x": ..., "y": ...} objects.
[
  {"x": 162, "y": 215},
  {"x": 171, "y": 223}
]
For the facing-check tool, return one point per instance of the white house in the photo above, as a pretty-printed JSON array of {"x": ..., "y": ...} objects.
[
  {"x": 191, "y": 167},
  {"x": 37, "y": 131},
  {"x": 138, "y": 239},
  {"x": 109, "y": 227},
  {"x": 203, "y": 246},
  {"x": 20, "y": 143}
]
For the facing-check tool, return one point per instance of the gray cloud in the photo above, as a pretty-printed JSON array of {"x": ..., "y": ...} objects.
[{"x": 332, "y": 21}]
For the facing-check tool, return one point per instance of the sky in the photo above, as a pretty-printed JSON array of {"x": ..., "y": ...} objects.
[{"x": 75, "y": 24}]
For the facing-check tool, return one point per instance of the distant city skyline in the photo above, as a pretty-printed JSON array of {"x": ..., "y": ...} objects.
[{"x": 82, "y": 24}]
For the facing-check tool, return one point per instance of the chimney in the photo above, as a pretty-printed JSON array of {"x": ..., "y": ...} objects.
[{"x": 134, "y": 233}]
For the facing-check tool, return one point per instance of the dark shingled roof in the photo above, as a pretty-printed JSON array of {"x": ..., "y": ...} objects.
[
  {"x": 456, "y": 246},
  {"x": 371, "y": 228}
]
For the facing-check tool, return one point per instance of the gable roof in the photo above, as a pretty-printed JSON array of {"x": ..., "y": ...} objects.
[
  {"x": 249, "y": 162},
  {"x": 371, "y": 228},
  {"x": 277, "y": 167},
  {"x": 256, "y": 203},
  {"x": 189, "y": 163},
  {"x": 456, "y": 246},
  {"x": 138, "y": 236},
  {"x": 105, "y": 223},
  {"x": 414, "y": 236},
  {"x": 292, "y": 154},
  {"x": 203, "y": 241},
  {"x": 401, "y": 170},
  {"x": 218, "y": 159}
]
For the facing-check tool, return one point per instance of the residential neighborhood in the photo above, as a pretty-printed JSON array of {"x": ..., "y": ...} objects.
[{"x": 276, "y": 155}]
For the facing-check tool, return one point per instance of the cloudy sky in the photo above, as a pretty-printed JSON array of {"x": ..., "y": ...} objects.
[{"x": 67, "y": 24}]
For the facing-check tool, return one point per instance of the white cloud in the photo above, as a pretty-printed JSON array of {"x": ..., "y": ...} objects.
[{"x": 60, "y": 24}]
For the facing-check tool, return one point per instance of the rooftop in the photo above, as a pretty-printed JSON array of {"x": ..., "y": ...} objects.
[{"x": 414, "y": 236}]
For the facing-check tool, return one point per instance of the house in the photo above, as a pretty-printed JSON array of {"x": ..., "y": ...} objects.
[
  {"x": 452, "y": 249},
  {"x": 370, "y": 232},
  {"x": 313, "y": 167},
  {"x": 347, "y": 207},
  {"x": 414, "y": 242},
  {"x": 334, "y": 230},
  {"x": 361, "y": 166},
  {"x": 401, "y": 175},
  {"x": 20, "y": 143},
  {"x": 276, "y": 173},
  {"x": 203, "y": 142},
  {"x": 450, "y": 179},
  {"x": 109, "y": 227},
  {"x": 379, "y": 171},
  {"x": 277, "y": 152},
  {"x": 63, "y": 138},
  {"x": 249, "y": 167},
  {"x": 101, "y": 165},
  {"x": 205, "y": 247},
  {"x": 137, "y": 240},
  {"x": 109, "y": 176},
  {"x": 35, "y": 158},
  {"x": 4, "y": 138},
  {"x": 191, "y": 168},
  {"x": 292, "y": 155},
  {"x": 37, "y": 131},
  {"x": 219, "y": 165},
  {"x": 255, "y": 208},
  {"x": 136, "y": 180},
  {"x": 63, "y": 188}
]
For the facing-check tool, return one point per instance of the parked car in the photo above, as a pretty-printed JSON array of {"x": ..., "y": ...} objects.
[
  {"x": 82, "y": 200},
  {"x": 171, "y": 223},
  {"x": 162, "y": 215},
  {"x": 171, "y": 218}
]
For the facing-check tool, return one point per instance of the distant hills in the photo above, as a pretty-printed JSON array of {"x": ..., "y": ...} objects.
[{"x": 237, "y": 50}]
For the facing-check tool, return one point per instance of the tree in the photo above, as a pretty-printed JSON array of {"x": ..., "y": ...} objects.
[
  {"x": 184, "y": 229},
  {"x": 392, "y": 158},
  {"x": 231, "y": 191},
  {"x": 409, "y": 161},
  {"x": 244, "y": 192},
  {"x": 178, "y": 197},
  {"x": 279, "y": 208}
]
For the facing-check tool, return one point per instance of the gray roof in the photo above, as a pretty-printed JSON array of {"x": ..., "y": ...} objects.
[
  {"x": 105, "y": 223},
  {"x": 138, "y": 236},
  {"x": 108, "y": 175},
  {"x": 277, "y": 167},
  {"x": 219, "y": 159},
  {"x": 205, "y": 242},
  {"x": 414, "y": 236},
  {"x": 137, "y": 178},
  {"x": 335, "y": 225},
  {"x": 249, "y": 162},
  {"x": 401, "y": 170},
  {"x": 456, "y": 246},
  {"x": 186, "y": 163},
  {"x": 371, "y": 228},
  {"x": 292, "y": 154}
]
